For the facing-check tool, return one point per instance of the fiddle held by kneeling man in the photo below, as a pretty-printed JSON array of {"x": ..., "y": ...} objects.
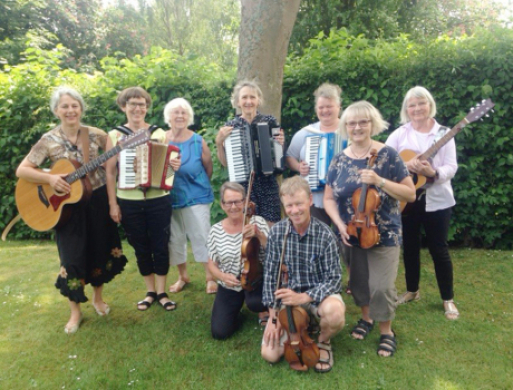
[{"x": 311, "y": 268}]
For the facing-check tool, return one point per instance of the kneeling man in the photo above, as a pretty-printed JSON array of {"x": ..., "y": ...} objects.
[{"x": 312, "y": 263}]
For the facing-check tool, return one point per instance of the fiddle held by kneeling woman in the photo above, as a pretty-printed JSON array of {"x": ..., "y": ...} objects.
[{"x": 224, "y": 262}]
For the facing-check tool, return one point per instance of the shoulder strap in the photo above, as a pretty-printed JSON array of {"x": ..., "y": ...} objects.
[
  {"x": 152, "y": 128},
  {"x": 123, "y": 129},
  {"x": 84, "y": 136}
]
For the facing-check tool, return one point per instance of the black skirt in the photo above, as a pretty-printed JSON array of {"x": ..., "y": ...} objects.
[{"x": 89, "y": 248}]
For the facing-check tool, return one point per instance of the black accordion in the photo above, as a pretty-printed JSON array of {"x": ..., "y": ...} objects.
[{"x": 251, "y": 148}]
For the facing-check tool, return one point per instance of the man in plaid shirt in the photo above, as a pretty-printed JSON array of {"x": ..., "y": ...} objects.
[{"x": 314, "y": 273}]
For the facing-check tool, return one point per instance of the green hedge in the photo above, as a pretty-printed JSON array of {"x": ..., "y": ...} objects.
[{"x": 458, "y": 72}]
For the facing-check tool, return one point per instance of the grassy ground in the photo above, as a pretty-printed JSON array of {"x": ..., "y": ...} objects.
[{"x": 158, "y": 350}]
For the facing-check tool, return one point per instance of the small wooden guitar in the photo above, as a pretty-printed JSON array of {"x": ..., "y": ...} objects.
[
  {"x": 475, "y": 113},
  {"x": 43, "y": 209}
]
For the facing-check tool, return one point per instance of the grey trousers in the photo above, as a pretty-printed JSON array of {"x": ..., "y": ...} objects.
[{"x": 373, "y": 275}]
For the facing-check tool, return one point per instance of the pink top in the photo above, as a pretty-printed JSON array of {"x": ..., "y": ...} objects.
[{"x": 439, "y": 195}]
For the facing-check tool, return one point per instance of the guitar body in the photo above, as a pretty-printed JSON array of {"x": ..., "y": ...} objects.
[
  {"x": 418, "y": 179},
  {"x": 41, "y": 207}
]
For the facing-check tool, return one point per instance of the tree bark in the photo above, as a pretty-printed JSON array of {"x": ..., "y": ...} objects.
[{"x": 265, "y": 29}]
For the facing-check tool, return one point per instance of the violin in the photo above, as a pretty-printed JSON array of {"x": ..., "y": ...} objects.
[
  {"x": 366, "y": 201},
  {"x": 251, "y": 273},
  {"x": 299, "y": 350}
]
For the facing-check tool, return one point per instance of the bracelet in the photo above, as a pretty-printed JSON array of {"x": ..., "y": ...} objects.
[{"x": 382, "y": 183}]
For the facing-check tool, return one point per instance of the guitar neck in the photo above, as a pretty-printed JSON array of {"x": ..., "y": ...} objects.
[
  {"x": 442, "y": 141},
  {"x": 92, "y": 165}
]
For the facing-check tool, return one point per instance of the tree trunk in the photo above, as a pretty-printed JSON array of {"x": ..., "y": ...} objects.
[{"x": 265, "y": 29}]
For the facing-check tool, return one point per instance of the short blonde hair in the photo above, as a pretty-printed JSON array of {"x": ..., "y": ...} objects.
[
  {"x": 366, "y": 110},
  {"x": 294, "y": 184},
  {"x": 175, "y": 103},
  {"x": 232, "y": 186},
  {"x": 246, "y": 83},
  {"x": 329, "y": 91},
  {"x": 419, "y": 93}
]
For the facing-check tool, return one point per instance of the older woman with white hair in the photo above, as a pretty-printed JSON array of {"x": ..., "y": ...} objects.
[
  {"x": 192, "y": 194},
  {"x": 88, "y": 243},
  {"x": 373, "y": 270},
  {"x": 432, "y": 210}
]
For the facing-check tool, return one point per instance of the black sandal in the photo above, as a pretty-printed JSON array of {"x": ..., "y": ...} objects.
[
  {"x": 147, "y": 304},
  {"x": 387, "y": 343},
  {"x": 168, "y": 306},
  {"x": 362, "y": 328}
]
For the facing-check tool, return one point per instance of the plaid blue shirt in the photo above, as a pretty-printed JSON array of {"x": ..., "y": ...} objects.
[{"x": 312, "y": 261}]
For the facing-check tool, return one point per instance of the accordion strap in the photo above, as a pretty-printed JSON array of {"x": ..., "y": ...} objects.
[{"x": 128, "y": 131}]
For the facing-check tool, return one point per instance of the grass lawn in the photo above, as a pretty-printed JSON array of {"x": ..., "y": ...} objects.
[{"x": 158, "y": 350}]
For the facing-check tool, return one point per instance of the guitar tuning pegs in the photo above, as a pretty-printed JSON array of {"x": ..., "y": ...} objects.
[
  {"x": 472, "y": 109},
  {"x": 488, "y": 116}
]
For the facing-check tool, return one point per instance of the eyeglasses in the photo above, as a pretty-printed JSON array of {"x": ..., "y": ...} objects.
[
  {"x": 233, "y": 203},
  {"x": 134, "y": 105},
  {"x": 361, "y": 123}
]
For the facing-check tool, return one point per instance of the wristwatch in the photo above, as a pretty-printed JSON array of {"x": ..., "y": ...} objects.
[{"x": 382, "y": 183}]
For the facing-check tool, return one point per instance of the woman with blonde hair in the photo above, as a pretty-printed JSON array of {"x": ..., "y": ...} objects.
[{"x": 373, "y": 270}]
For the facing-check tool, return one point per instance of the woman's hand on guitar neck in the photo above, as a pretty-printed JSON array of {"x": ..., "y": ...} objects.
[{"x": 58, "y": 183}]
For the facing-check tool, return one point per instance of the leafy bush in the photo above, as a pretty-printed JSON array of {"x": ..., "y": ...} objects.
[{"x": 458, "y": 71}]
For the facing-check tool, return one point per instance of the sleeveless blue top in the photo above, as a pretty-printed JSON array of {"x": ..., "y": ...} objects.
[{"x": 191, "y": 185}]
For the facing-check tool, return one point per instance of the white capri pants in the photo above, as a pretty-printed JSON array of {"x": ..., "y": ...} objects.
[{"x": 191, "y": 223}]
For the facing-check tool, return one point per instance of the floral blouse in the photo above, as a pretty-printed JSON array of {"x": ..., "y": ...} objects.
[
  {"x": 55, "y": 146},
  {"x": 344, "y": 179}
]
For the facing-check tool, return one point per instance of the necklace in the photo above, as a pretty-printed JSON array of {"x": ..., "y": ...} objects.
[
  {"x": 74, "y": 145},
  {"x": 363, "y": 155}
]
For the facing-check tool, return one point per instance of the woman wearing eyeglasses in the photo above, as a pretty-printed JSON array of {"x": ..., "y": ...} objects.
[
  {"x": 374, "y": 270},
  {"x": 224, "y": 251},
  {"x": 145, "y": 215}
]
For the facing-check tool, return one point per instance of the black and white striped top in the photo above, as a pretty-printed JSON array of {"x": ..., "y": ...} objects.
[{"x": 224, "y": 248}]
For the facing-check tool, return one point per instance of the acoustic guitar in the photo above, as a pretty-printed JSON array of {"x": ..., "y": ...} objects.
[
  {"x": 420, "y": 180},
  {"x": 43, "y": 209}
]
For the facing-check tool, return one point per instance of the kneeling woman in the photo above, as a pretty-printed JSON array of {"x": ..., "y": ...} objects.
[
  {"x": 373, "y": 270},
  {"x": 224, "y": 250}
]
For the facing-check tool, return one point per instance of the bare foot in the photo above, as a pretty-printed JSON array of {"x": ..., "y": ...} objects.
[
  {"x": 211, "y": 287},
  {"x": 178, "y": 286}
]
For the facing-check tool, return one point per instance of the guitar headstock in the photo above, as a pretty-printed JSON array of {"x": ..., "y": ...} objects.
[
  {"x": 140, "y": 137},
  {"x": 479, "y": 110}
]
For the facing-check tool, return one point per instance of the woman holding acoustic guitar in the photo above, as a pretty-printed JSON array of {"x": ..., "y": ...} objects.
[
  {"x": 373, "y": 265},
  {"x": 88, "y": 243},
  {"x": 432, "y": 210},
  {"x": 224, "y": 261}
]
